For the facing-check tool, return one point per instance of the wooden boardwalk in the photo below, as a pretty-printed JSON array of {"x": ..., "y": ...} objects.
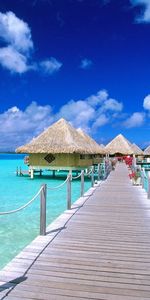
[{"x": 102, "y": 250}]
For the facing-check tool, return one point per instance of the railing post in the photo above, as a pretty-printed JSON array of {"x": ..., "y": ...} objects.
[
  {"x": 32, "y": 173},
  {"x": 148, "y": 178},
  {"x": 82, "y": 183},
  {"x": 92, "y": 177},
  {"x": 142, "y": 178},
  {"x": 69, "y": 191},
  {"x": 98, "y": 171},
  {"x": 134, "y": 161},
  {"x": 43, "y": 210},
  {"x": 105, "y": 169},
  {"x": 110, "y": 166}
]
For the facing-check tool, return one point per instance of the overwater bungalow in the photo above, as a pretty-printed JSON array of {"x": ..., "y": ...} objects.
[
  {"x": 119, "y": 146},
  {"x": 60, "y": 147}
]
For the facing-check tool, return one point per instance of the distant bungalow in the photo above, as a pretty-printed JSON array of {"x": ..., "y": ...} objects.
[
  {"x": 60, "y": 147},
  {"x": 119, "y": 146}
]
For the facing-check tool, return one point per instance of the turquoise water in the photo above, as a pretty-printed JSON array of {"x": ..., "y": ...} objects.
[{"x": 19, "y": 229}]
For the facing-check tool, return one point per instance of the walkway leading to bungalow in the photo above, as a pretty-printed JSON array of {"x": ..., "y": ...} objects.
[{"x": 103, "y": 251}]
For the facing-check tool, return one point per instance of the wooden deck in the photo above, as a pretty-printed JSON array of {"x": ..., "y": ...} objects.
[{"x": 100, "y": 250}]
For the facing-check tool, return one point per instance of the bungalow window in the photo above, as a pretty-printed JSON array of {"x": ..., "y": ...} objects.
[
  {"x": 49, "y": 158},
  {"x": 82, "y": 156}
]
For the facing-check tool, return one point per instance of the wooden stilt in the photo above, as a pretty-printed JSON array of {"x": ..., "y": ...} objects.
[
  {"x": 17, "y": 171},
  {"x": 32, "y": 173},
  {"x": 20, "y": 172}
]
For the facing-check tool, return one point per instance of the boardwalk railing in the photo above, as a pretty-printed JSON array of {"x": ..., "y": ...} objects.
[
  {"x": 43, "y": 193},
  {"x": 141, "y": 178},
  {"x": 145, "y": 178}
]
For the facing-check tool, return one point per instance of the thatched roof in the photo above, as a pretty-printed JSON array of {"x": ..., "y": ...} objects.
[
  {"x": 119, "y": 145},
  {"x": 60, "y": 137},
  {"x": 95, "y": 147},
  {"x": 137, "y": 150},
  {"x": 147, "y": 151}
]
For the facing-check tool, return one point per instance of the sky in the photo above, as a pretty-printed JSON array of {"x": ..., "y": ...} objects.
[{"x": 87, "y": 61}]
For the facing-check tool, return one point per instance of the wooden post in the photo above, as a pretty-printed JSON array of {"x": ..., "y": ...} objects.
[
  {"x": 134, "y": 161},
  {"x": 82, "y": 183},
  {"x": 105, "y": 170},
  {"x": 43, "y": 210},
  {"x": 99, "y": 171},
  {"x": 142, "y": 178},
  {"x": 20, "y": 172},
  {"x": 148, "y": 193},
  {"x": 110, "y": 165},
  {"x": 32, "y": 173},
  {"x": 17, "y": 171},
  {"x": 69, "y": 191},
  {"x": 92, "y": 177}
]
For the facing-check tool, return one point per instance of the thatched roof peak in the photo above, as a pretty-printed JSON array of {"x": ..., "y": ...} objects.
[
  {"x": 119, "y": 145},
  {"x": 60, "y": 137},
  {"x": 120, "y": 135},
  {"x": 62, "y": 122}
]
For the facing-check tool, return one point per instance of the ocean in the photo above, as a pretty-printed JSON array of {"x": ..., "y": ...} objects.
[{"x": 19, "y": 229}]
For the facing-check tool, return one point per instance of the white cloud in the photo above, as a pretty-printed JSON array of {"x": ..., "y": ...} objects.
[
  {"x": 145, "y": 14},
  {"x": 80, "y": 113},
  {"x": 113, "y": 105},
  {"x": 17, "y": 36},
  {"x": 86, "y": 63},
  {"x": 18, "y": 127},
  {"x": 16, "y": 54},
  {"x": 90, "y": 111},
  {"x": 13, "y": 109},
  {"x": 50, "y": 66},
  {"x": 12, "y": 60},
  {"x": 15, "y": 31},
  {"x": 146, "y": 103},
  {"x": 100, "y": 121},
  {"x": 135, "y": 120},
  {"x": 100, "y": 97}
]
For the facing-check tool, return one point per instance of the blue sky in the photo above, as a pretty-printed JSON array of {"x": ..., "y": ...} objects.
[{"x": 84, "y": 60}]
